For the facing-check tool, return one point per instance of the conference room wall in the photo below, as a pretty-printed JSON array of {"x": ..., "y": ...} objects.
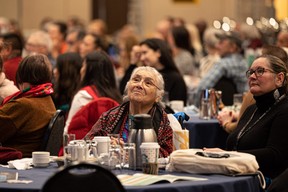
[{"x": 29, "y": 13}]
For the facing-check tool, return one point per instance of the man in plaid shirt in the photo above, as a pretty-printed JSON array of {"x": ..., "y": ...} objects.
[{"x": 232, "y": 65}]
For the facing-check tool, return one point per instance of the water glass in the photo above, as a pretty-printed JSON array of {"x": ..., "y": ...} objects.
[
  {"x": 129, "y": 156},
  {"x": 205, "y": 109},
  {"x": 114, "y": 161}
]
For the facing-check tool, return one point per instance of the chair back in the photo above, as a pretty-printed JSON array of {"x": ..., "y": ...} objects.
[
  {"x": 53, "y": 137},
  {"x": 83, "y": 177},
  {"x": 87, "y": 116},
  {"x": 228, "y": 88}
]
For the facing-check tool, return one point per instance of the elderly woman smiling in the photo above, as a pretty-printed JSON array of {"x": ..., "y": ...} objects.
[
  {"x": 262, "y": 129},
  {"x": 144, "y": 92}
]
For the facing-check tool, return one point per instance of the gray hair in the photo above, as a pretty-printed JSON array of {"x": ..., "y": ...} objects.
[
  {"x": 41, "y": 38},
  {"x": 159, "y": 81}
]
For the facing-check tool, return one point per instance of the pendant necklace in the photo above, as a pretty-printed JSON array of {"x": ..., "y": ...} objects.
[{"x": 245, "y": 129}]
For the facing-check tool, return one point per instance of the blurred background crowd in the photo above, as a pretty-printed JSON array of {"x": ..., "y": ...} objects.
[{"x": 96, "y": 25}]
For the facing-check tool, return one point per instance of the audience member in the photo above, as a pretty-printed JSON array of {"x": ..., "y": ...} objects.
[
  {"x": 201, "y": 25},
  {"x": 58, "y": 31},
  {"x": 97, "y": 80},
  {"x": 232, "y": 66},
  {"x": 90, "y": 43},
  {"x": 99, "y": 28},
  {"x": 196, "y": 42},
  {"x": 25, "y": 115},
  {"x": 4, "y": 25},
  {"x": 7, "y": 87},
  {"x": 156, "y": 53},
  {"x": 11, "y": 52},
  {"x": 210, "y": 45},
  {"x": 144, "y": 92},
  {"x": 162, "y": 28},
  {"x": 228, "y": 119},
  {"x": 180, "y": 43},
  {"x": 127, "y": 64},
  {"x": 74, "y": 39},
  {"x": 40, "y": 42},
  {"x": 74, "y": 22},
  {"x": 251, "y": 36},
  {"x": 282, "y": 39},
  {"x": 261, "y": 130},
  {"x": 67, "y": 79},
  {"x": 45, "y": 22}
]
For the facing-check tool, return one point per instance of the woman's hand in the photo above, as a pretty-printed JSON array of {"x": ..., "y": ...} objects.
[{"x": 226, "y": 116}]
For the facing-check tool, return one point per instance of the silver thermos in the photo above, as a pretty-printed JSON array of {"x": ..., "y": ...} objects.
[{"x": 142, "y": 131}]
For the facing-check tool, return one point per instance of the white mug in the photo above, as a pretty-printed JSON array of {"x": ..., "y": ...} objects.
[{"x": 40, "y": 158}]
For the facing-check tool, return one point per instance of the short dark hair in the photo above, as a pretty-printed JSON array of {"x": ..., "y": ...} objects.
[
  {"x": 14, "y": 40},
  {"x": 62, "y": 27},
  {"x": 35, "y": 69}
]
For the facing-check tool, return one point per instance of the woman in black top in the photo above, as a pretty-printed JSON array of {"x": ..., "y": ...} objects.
[{"x": 262, "y": 129}]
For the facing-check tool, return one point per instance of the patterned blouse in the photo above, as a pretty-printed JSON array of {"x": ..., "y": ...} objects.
[{"x": 114, "y": 120}]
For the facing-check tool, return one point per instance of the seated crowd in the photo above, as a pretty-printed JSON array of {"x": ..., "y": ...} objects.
[{"x": 102, "y": 82}]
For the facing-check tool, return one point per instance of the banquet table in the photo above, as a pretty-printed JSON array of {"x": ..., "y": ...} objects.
[
  {"x": 219, "y": 183},
  {"x": 205, "y": 133}
]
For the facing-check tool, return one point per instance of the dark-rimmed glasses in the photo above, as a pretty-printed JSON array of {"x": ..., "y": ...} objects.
[{"x": 259, "y": 71}]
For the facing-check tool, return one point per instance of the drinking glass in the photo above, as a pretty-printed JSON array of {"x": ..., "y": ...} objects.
[
  {"x": 205, "y": 109},
  {"x": 114, "y": 161},
  {"x": 128, "y": 157}
]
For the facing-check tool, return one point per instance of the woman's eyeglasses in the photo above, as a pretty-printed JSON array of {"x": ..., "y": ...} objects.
[
  {"x": 259, "y": 71},
  {"x": 146, "y": 81}
]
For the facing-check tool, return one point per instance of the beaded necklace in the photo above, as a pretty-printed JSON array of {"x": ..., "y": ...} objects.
[
  {"x": 127, "y": 127},
  {"x": 245, "y": 129}
]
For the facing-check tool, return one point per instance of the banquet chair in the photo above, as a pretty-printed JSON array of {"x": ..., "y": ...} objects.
[
  {"x": 83, "y": 177},
  {"x": 228, "y": 88},
  {"x": 53, "y": 136}
]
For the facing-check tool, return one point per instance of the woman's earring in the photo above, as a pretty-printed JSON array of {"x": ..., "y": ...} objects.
[{"x": 276, "y": 94}]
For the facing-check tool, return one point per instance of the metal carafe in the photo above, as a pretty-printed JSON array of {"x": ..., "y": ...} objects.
[{"x": 142, "y": 131}]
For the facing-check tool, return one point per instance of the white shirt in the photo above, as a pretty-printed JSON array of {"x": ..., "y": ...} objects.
[{"x": 80, "y": 99}]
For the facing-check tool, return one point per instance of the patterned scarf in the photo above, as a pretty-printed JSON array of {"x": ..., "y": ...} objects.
[{"x": 31, "y": 91}]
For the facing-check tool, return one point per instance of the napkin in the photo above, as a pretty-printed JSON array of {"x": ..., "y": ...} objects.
[{"x": 20, "y": 164}]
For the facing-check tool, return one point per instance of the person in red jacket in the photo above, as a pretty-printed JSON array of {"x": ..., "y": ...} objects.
[{"x": 11, "y": 53}]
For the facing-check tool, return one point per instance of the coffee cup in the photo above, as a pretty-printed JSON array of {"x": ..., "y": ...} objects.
[
  {"x": 149, "y": 154},
  {"x": 40, "y": 158},
  {"x": 103, "y": 144}
]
